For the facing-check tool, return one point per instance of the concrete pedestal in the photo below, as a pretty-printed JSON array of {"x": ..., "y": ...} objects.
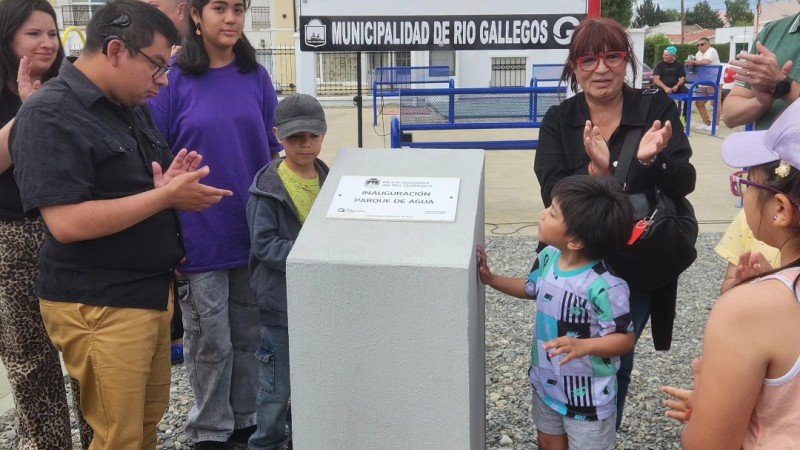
[{"x": 386, "y": 319}]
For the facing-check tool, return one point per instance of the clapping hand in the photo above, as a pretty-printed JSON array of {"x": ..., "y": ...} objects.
[
  {"x": 182, "y": 179},
  {"x": 185, "y": 161},
  {"x": 597, "y": 149},
  {"x": 751, "y": 264},
  {"x": 654, "y": 141},
  {"x": 760, "y": 70}
]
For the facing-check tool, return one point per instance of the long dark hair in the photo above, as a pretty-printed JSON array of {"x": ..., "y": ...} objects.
[
  {"x": 593, "y": 37},
  {"x": 193, "y": 58},
  {"x": 14, "y": 13}
]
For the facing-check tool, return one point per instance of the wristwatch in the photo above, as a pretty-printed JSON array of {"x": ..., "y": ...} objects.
[{"x": 782, "y": 88}]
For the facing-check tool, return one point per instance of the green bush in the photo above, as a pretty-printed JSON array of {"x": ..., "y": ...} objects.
[{"x": 650, "y": 44}]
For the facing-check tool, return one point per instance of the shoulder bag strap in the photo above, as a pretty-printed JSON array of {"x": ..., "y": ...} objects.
[{"x": 631, "y": 144}]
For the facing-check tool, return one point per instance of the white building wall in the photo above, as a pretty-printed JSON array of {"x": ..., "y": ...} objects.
[{"x": 735, "y": 35}]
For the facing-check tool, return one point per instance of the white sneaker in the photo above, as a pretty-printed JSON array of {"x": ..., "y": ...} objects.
[
  {"x": 702, "y": 127},
  {"x": 706, "y": 128}
]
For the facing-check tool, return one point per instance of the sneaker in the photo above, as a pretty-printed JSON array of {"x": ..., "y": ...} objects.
[
  {"x": 176, "y": 354},
  {"x": 242, "y": 435},
  {"x": 706, "y": 128},
  {"x": 210, "y": 445}
]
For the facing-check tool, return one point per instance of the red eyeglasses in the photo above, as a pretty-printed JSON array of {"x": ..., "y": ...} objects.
[{"x": 589, "y": 63}]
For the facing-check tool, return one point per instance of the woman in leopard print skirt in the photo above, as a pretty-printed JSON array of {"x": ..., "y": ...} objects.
[{"x": 28, "y": 30}]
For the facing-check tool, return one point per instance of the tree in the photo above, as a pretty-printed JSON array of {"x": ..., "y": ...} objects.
[
  {"x": 650, "y": 44},
  {"x": 671, "y": 15},
  {"x": 647, "y": 13},
  {"x": 704, "y": 16},
  {"x": 619, "y": 10},
  {"x": 738, "y": 12}
]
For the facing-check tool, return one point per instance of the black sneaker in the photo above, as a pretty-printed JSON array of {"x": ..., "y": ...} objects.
[
  {"x": 242, "y": 435},
  {"x": 210, "y": 445}
]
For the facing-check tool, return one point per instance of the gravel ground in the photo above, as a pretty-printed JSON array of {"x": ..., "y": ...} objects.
[{"x": 508, "y": 326}]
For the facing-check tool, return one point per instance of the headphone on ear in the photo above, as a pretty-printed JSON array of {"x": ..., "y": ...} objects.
[{"x": 123, "y": 21}]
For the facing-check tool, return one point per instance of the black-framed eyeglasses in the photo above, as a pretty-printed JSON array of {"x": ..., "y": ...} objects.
[
  {"x": 161, "y": 69},
  {"x": 589, "y": 63},
  {"x": 739, "y": 182},
  {"x": 701, "y": 44}
]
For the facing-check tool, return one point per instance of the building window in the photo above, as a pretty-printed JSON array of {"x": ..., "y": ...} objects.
[
  {"x": 444, "y": 58},
  {"x": 79, "y": 13},
  {"x": 260, "y": 16},
  {"x": 508, "y": 72},
  {"x": 742, "y": 47}
]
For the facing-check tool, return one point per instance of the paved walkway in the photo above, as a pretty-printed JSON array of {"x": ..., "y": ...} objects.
[{"x": 511, "y": 191}]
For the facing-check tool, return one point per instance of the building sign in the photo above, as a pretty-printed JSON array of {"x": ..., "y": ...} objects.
[
  {"x": 414, "y": 199},
  {"x": 387, "y": 25},
  {"x": 354, "y": 33}
]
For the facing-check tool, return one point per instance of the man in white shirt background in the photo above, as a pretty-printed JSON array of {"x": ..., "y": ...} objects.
[{"x": 706, "y": 55}]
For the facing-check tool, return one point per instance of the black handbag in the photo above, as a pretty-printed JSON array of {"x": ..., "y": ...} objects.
[{"x": 662, "y": 243}]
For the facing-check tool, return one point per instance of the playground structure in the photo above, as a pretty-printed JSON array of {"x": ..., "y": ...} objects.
[{"x": 503, "y": 108}]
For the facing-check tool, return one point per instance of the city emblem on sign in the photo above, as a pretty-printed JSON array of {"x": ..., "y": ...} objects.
[{"x": 316, "y": 33}]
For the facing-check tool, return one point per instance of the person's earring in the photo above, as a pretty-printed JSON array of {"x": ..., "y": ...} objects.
[
  {"x": 774, "y": 218},
  {"x": 197, "y": 30}
]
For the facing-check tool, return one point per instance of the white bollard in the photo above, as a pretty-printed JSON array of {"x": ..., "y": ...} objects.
[{"x": 386, "y": 316}]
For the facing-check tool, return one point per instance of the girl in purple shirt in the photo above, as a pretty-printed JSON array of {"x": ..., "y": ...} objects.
[{"x": 221, "y": 102}]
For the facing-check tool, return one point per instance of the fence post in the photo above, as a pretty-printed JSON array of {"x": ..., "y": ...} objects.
[{"x": 306, "y": 69}]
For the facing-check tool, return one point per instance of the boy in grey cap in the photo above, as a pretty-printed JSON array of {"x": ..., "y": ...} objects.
[{"x": 280, "y": 199}]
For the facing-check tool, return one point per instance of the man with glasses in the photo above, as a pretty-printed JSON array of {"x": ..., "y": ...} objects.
[
  {"x": 89, "y": 157},
  {"x": 706, "y": 55}
]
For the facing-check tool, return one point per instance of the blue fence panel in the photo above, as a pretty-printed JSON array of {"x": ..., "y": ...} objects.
[{"x": 472, "y": 108}]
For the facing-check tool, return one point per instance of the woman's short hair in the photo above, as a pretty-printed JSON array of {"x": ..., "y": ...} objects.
[
  {"x": 14, "y": 13},
  {"x": 593, "y": 37}
]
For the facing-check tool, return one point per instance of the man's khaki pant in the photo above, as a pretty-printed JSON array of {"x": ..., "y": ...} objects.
[
  {"x": 121, "y": 358},
  {"x": 701, "y": 105}
]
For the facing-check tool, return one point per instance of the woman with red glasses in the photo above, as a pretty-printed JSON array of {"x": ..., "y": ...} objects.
[
  {"x": 747, "y": 395},
  {"x": 585, "y": 135}
]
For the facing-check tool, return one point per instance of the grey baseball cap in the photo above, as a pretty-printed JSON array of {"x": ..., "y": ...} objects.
[{"x": 299, "y": 113}]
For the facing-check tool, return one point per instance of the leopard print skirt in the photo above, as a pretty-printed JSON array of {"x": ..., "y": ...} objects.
[{"x": 31, "y": 362}]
